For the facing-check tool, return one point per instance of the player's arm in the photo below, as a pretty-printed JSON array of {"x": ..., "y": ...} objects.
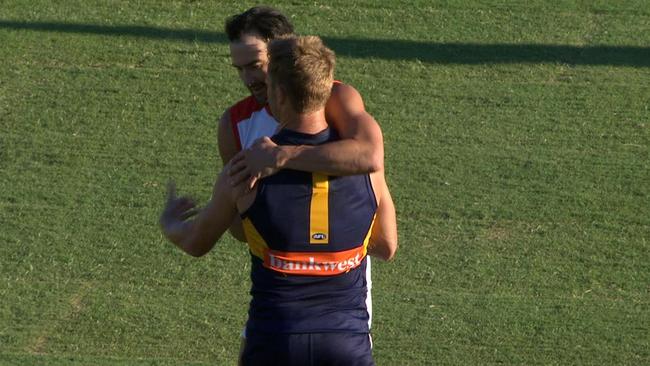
[
  {"x": 227, "y": 150},
  {"x": 226, "y": 139},
  {"x": 383, "y": 238},
  {"x": 360, "y": 150},
  {"x": 197, "y": 236}
]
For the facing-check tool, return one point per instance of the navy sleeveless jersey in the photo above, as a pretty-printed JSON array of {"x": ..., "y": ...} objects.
[{"x": 308, "y": 234}]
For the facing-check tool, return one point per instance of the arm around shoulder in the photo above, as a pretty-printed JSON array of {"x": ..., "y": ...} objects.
[
  {"x": 360, "y": 150},
  {"x": 346, "y": 112}
]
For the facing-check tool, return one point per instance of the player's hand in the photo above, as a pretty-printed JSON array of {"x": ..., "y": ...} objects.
[
  {"x": 258, "y": 161},
  {"x": 239, "y": 191},
  {"x": 176, "y": 211}
]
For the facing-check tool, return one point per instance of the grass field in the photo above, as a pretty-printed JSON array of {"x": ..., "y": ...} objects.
[{"x": 517, "y": 141}]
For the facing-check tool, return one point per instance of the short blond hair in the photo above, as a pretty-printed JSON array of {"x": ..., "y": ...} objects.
[{"x": 304, "y": 68}]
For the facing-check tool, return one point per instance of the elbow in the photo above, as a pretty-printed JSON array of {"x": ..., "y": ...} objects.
[
  {"x": 376, "y": 164},
  {"x": 384, "y": 250},
  {"x": 194, "y": 248},
  {"x": 196, "y": 253},
  {"x": 370, "y": 157},
  {"x": 375, "y": 160},
  {"x": 390, "y": 252}
]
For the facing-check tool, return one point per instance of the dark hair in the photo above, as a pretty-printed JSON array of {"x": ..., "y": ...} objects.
[{"x": 269, "y": 23}]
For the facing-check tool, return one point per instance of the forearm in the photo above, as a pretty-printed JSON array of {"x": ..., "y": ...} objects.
[{"x": 343, "y": 157}]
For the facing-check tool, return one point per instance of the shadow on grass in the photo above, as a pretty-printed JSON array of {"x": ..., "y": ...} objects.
[
  {"x": 442, "y": 53},
  {"x": 185, "y": 35}
]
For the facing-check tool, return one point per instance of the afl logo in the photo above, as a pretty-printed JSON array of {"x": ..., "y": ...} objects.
[{"x": 319, "y": 236}]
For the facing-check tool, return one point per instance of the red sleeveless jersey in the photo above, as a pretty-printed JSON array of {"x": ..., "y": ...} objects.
[{"x": 250, "y": 120}]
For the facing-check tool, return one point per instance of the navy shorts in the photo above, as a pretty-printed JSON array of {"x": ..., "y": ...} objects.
[{"x": 308, "y": 349}]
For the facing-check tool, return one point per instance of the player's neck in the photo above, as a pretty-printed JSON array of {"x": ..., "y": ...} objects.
[{"x": 309, "y": 123}]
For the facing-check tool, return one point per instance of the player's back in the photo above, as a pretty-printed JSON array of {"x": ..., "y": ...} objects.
[{"x": 308, "y": 236}]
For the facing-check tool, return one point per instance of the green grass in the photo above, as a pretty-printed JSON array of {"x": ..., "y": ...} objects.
[{"x": 517, "y": 149}]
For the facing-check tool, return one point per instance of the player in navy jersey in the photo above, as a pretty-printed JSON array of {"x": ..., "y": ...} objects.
[
  {"x": 245, "y": 126},
  {"x": 308, "y": 233}
]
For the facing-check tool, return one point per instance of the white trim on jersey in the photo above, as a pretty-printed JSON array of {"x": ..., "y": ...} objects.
[
  {"x": 369, "y": 292},
  {"x": 258, "y": 125}
]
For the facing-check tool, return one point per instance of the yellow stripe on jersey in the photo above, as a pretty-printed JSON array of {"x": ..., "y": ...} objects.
[
  {"x": 366, "y": 241},
  {"x": 255, "y": 241},
  {"x": 319, "y": 210}
]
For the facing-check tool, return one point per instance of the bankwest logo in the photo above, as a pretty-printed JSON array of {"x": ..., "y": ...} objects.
[{"x": 314, "y": 263}]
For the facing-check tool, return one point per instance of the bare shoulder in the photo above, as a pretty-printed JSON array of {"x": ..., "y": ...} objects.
[
  {"x": 343, "y": 92},
  {"x": 344, "y": 102}
]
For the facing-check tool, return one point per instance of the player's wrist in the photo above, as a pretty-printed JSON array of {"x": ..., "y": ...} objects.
[{"x": 283, "y": 154}]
